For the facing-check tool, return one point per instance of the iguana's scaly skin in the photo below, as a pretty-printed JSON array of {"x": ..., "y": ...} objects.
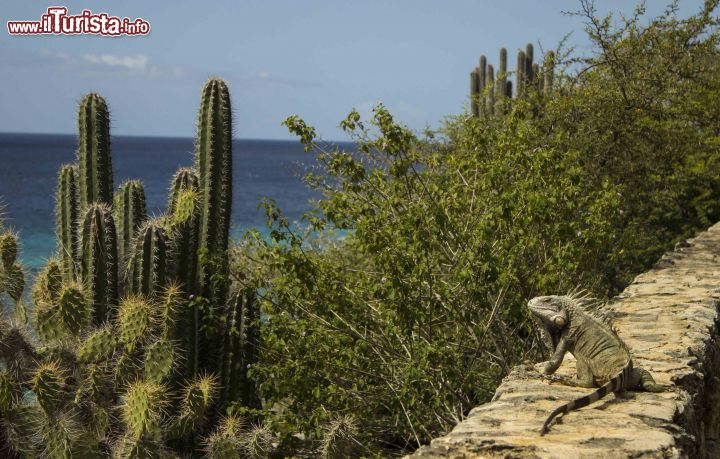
[{"x": 603, "y": 359}]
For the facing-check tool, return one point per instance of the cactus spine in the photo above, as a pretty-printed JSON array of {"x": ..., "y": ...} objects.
[
  {"x": 66, "y": 215},
  {"x": 213, "y": 161},
  {"x": 149, "y": 268},
  {"x": 130, "y": 214},
  {"x": 94, "y": 166},
  {"x": 99, "y": 261}
]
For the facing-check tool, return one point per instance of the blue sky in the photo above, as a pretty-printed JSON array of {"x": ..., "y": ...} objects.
[{"x": 315, "y": 58}]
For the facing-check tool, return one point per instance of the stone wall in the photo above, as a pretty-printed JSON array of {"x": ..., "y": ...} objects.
[{"x": 669, "y": 318}]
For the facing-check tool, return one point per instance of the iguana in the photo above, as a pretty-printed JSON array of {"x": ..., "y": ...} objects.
[{"x": 603, "y": 359}]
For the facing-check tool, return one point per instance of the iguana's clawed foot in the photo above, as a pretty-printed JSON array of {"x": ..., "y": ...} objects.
[
  {"x": 554, "y": 378},
  {"x": 567, "y": 381},
  {"x": 656, "y": 388},
  {"x": 533, "y": 367}
]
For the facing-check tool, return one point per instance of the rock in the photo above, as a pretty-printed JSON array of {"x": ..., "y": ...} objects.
[{"x": 669, "y": 318}]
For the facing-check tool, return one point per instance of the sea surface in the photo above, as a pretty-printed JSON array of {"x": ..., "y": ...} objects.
[{"x": 28, "y": 175}]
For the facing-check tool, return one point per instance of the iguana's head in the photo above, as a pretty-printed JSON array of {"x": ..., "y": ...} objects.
[{"x": 551, "y": 315}]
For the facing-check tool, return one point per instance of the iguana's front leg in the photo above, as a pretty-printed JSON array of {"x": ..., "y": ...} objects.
[
  {"x": 584, "y": 376},
  {"x": 558, "y": 356}
]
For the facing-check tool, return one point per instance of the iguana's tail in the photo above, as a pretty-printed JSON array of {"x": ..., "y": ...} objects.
[{"x": 617, "y": 384}]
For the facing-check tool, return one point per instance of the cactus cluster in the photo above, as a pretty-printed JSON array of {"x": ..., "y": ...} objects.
[
  {"x": 490, "y": 93},
  {"x": 138, "y": 343}
]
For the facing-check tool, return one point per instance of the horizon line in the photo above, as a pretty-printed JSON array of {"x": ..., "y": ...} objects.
[{"x": 156, "y": 136}]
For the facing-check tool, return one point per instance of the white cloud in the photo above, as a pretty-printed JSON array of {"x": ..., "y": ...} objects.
[
  {"x": 115, "y": 64},
  {"x": 138, "y": 63}
]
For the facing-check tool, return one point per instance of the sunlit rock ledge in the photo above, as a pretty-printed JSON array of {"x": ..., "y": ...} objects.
[{"x": 668, "y": 317}]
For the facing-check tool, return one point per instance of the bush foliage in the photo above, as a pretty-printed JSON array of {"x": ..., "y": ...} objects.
[{"x": 378, "y": 340}]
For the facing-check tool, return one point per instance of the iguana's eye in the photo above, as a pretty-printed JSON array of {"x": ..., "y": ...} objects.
[{"x": 559, "y": 321}]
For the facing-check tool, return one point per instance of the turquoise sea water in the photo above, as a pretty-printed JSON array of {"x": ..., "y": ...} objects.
[{"x": 29, "y": 165}]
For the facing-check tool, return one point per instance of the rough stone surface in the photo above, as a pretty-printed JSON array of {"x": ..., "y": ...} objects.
[{"x": 669, "y": 318}]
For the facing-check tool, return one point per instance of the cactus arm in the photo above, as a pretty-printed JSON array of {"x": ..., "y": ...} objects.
[{"x": 94, "y": 162}]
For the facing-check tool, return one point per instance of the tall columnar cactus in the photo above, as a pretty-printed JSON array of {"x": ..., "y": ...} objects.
[
  {"x": 492, "y": 97},
  {"x": 490, "y": 94},
  {"x": 474, "y": 92},
  {"x": 99, "y": 261},
  {"x": 529, "y": 57},
  {"x": 150, "y": 261},
  {"x": 548, "y": 71},
  {"x": 183, "y": 211},
  {"x": 502, "y": 74},
  {"x": 12, "y": 277},
  {"x": 240, "y": 350},
  {"x": 184, "y": 221},
  {"x": 185, "y": 179},
  {"x": 213, "y": 163},
  {"x": 94, "y": 164},
  {"x": 66, "y": 216},
  {"x": 482, "y": 68},
  {"x": 520, "y": 74},
  {"x": 130, "y": 213},
  {"x": 168, "y": 357}
]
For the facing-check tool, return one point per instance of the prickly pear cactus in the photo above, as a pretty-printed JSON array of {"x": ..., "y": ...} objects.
[
  {"x": 143, "y": 408},
  {"x": 159, "y": 359},
  {"x": 48, "y": 383},
  {"x": 135, "y": 321},
  {"x": 225, "y": 441},
  {"x": 98, "y": 346}
]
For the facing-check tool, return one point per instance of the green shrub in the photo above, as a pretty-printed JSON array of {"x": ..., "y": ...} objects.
[{"x": 414, "y": 315}]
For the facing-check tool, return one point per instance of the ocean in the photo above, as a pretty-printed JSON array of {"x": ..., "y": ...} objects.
[{"x": 28, "y": 175}]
